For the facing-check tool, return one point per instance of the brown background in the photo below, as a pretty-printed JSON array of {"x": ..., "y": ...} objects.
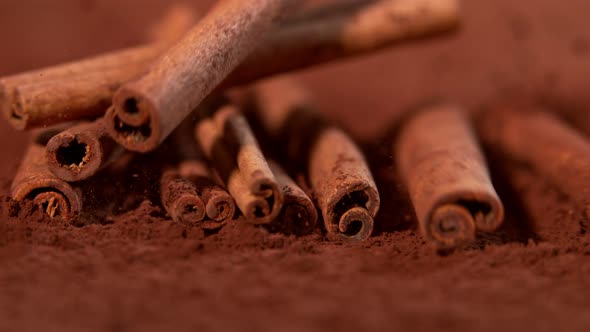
[{"x": 143, "y": 273}]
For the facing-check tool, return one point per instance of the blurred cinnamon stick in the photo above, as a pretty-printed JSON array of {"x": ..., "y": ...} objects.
[
  {"x": 228, "y": 142},
  {"x": 539, "y": 140},
  {"x": 34, "y": 181},
  {"x": 83, "y": 89},
  {"x": 79, "y": 152},
  {"x": 446, "y": 176},
  {"x": 339, "y": 176},
  {"x": 345, "y": 29}
]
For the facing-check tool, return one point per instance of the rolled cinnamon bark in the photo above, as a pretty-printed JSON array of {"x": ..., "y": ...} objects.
[
  {"x": 84, "y": 89},
  {"x": 538, "y": 139},
  {"x": 220, "y": 207},
  {"x": 316, "y": 36},
  {"x": 153, "y": 105},
  {"x": 338, "y": 173},
  {"x": 79, "y": 152},
  {"x": 308, "y": 40},
  {"x": 298, "y": 216},
  {"x": 228, "y": 142},
  {"x": 446, "y": 176},
  {"x": 217, "y": 205},
  {"x": 180, "y": 198},
  {"x": 34, "y": 181}
]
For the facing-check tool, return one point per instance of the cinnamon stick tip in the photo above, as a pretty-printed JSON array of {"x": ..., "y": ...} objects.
[
  {"x": 139, "y": 138},
  {"x": 300, "y": 218},
  {"x": 73, "y": 156},
  {"x": 485, "y": 208},
  {"x": 268, "y": 204},
  {"x": 11, "y": 108},
  {"x": 187, "y": 209},
  {"x": 55, "y": 197},
  {"x": 220, "y": 208},
  {"x": 450, "y": 226},
  {"x": 356, "y": 224}
]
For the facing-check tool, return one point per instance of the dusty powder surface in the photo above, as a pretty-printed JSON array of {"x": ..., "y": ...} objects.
[{"x": 127, "y": 267}]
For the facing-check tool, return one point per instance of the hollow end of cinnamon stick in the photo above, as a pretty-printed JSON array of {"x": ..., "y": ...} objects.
[
  {"x": 349, "y": 215},
  {"x": 187, "y": 208},
  {"x": 265, "y": 203},
  {"x": 446, "y": 176},
  {"x": 75, "y": 155},
  {"x": 54, "y": 197},
  {"x": 142, "y": 137},
  {"x": 450, "y": 226},
  {"x": 180, "y": 199},
  {"x": 34, "y": 181},
  {"x": 299, "y": 218},
  {"x": 220, "y": 207}
]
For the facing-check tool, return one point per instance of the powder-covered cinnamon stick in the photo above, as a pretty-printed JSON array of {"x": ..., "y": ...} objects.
[
  {"x": 446, "y": 175},
  {"x": 83, "y": 89},
  {"x": 220, "y": 206},
  {"x": 190, "y": 191},
  {"x": 228, "y": 142},
  {"x": 339, "y": 176},
  {"x": 79, "y": 152},
  {"x": 180, "y": 198},
  {"x": 34, "y": 181},
  {"x": 298, "y": 216}
]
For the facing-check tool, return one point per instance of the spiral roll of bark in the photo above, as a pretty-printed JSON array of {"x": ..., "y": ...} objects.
[
  {"x": 79, "y": 152},
  {"x": 340, "y": 178},
  {"x": 299, "y": 216},
  {"x": 228, "y": 142},
  {"x": 34, "y": 181},
  {"x": 446, "y": 176}
]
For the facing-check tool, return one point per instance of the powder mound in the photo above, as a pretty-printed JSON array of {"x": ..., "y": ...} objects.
[{"x": 239, "y": 234}]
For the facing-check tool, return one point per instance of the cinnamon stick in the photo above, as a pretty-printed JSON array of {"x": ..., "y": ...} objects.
[
  {"x": 180, "y": 198},
  {"x": 34, "y": 181},
  {"x": 194, "y": 178},
  {"x": 536, "y": 138},
  {"x": 308, "y": 40},
  {"x": 229, "y": 144},
  {"x": 345, "y": 29},
  {"x": 340, "y": 178},
  {"x": 149, "y": 108},
  {"x": 333, "y": 31},
  {"x": 83, "y": 89},
  {"x": 220, "y": 206},
  {"x": 446, "y": 176},
  {"x": 298, "y": 216},
  {"x": 79, "y": 152}
]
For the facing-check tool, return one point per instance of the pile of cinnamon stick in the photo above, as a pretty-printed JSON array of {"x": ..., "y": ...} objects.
[{"x": 241, "y": 146}]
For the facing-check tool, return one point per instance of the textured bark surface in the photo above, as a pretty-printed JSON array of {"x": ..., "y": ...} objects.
[
  {"x": 83, "y": 89},
  {"x": 150, "y": 107},
  {"x": 443, "y": 167}
]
